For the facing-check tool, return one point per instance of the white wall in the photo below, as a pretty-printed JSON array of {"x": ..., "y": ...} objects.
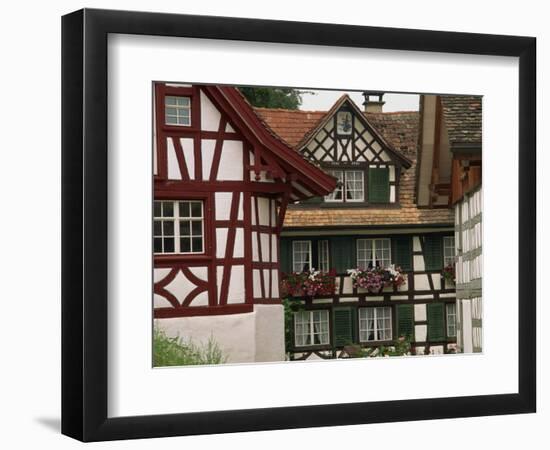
[{"x": 30, "y": 36}]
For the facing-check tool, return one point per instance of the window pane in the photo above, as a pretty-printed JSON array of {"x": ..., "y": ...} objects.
[
  {"x": 168, "y": 245},
  {"x": 168, "y": 228},
  {"x": 157, "y": 228},
  {"x": 197, "y": 244},
  {"x": 158, "y": 245},
  {"x": 196, "y": 227},
  {"x": 196, "y": 209},
  {"x": 185, "y": 245},
  {"x": 167, "y": 209},
  {"x": 184, "y": 209},
  {"x": 157, "y": 209},
  {"x": 184, "y": 228}
]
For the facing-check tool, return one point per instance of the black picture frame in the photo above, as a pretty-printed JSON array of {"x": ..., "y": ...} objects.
[{"x": 84, "y": 224}]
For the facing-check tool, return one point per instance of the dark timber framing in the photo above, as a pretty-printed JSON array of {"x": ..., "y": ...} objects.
[{"x": 84, "y": 225}]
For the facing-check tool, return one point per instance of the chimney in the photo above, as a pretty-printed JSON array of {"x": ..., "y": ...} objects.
[{"x": 373, "y": 101}]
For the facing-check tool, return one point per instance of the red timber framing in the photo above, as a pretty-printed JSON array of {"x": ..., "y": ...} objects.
[{"x": 245, "y": 214}]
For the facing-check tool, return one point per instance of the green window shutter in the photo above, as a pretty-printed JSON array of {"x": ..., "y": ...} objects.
[
  {"x": 402, "y": 247},
  {"x": 436, "y": 322},
  {"x": 343, "y": 326},
  {"x": 285, "y": 249},
  {"x": 342, "y": 253},
  {"x": 433, "y": 253},
  {"x": 405, "y": 321},
  {"x": 379, "y": 185}
]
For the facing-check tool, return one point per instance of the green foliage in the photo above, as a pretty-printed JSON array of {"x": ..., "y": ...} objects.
[
  {"x": 284, "y": 98},
  {"x": 290, "y": 307},
  {"x": 402, "y": 347},
  {"x": 174, "y": 351}
]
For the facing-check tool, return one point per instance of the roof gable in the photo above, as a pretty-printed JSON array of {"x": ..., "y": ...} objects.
[
  {"x": 269, "y": 149},
  {"x": 345, "y": 134}
]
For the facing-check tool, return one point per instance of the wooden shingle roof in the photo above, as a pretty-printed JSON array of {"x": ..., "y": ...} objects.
[
  {"x": 400, "y": 129},
  {"x": 463, "y": 118}
]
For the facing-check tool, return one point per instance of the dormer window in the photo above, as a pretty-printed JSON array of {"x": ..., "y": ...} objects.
[
  {"x": 177, "y": 110},
  {"x": 350, "y": 188}
]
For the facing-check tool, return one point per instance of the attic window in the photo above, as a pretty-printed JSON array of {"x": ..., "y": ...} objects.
[{"x": 177, "y": 110}]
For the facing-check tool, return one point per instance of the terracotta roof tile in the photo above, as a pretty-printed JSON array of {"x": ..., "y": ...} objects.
[{"x": 400, "y": 129}]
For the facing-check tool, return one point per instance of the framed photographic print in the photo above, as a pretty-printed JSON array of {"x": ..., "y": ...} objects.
[{"x": 269, "y": 225}]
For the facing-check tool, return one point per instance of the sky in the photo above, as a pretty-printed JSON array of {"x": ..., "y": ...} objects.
[{"x": 323, "y": 100}]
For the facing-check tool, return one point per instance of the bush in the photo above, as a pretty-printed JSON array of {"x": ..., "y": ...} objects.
[{"x": 174, "y": 351}]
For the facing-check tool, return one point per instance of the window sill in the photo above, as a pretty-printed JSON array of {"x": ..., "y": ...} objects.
[{"x": 163, "y": 258}]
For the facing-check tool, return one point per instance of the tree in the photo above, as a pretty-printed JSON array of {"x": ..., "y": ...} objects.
[{"x": 285, "y": 98}]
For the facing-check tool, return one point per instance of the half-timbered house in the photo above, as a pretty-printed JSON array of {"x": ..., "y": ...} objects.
[
  {"x": 370, "y": 220},
  {"x": 222, "y": 184},
  {"x": 449, "y": 175}
]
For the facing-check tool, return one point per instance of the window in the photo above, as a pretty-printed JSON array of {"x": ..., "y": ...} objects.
[
  {"x": 350, "y": 186},
  {"x": 178, "y": 226},
  {"x": 448, "y": 250},
  {"x": 301, "y": 256},
  {"x": 322, "y": 248},
  {"x": 177, "y": 110},
  {"x": 375, "y": 324},
  {"x": 373, "y": 253},
  {"x": 311, "y": 328},
  {"x": 451, "y": 319}
]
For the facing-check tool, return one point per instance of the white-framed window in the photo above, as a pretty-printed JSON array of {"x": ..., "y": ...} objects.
[
  {"x": 448, "y": 250},
  {"x": 322, "y": 248},
  {"x": 178, "y": 226},
  {"x": 177, "y": 110},
  {"x": 311, "y": 328},
  {"x": 375, "y": 324},
  {"x": 451, "y": 319},
  {"x": 301, "y": 256},
  {"x": 350, "y": 188},
  {"x": 373, "y": 253}
]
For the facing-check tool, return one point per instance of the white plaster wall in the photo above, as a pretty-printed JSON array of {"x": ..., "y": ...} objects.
[
  {"x": 420, "y": 332},
  {"x": 234, "y": 333},
  {"x": 436, "y": 280},
  {"x": 180, "y": 286},
  {"x": 263, "y": 210},
  {"x": 270, "y": 333},
  {"x": 421, "y": 283},
  {"x": 467, "y": 344},
  {"x": 275, "y": 287},
  {"x": 160, "y": 302},
  {"x": 418, "y": 263},
  {"x": 348, "y": 285},
  {"x": 207, "y": 151},
  {"x": 223, "y": 205},
  {"x": 420, "y": 312},
  {"x": 231, "y": 161},
  {"x": 416, "y": 244},
  {"x": 210, "y": 116},
  {"x": 236, "y": 285},
  {"x": 173, "y": 168},
  {"x": 221, "y": 241}
]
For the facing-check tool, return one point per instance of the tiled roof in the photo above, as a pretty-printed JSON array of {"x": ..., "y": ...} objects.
[
  {"x": 463, "y": 118},
  {"x": 290, "y": 125},
  {"x": 400, "y": 129}
]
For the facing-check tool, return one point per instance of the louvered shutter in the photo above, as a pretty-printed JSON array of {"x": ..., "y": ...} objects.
[
  {"x": 402, "y": 247},
  {"x": 343, "y": 253},
  {"x": 285, "y": 255},
  {"x": 433, "y": 253},
  {"x": 343, "y": 326},
  {"x": 405, "y": 321},
  {"x": 379, "y": 185},
  {"x": 436, "y": 322}
]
